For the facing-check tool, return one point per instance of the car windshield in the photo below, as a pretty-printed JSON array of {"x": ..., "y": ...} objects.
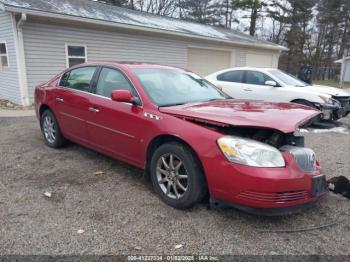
[
  {"x": 287, "y": 78},
  {"x": 169, "y": 87}
]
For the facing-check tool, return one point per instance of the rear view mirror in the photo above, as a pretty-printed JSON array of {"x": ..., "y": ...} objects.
[
  {"x": 271, "y": 83},
  {"x": 124, "y": 96}
]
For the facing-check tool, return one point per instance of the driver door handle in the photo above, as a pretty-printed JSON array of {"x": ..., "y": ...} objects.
[
  {"x": 93, "y": 109},
  {"x": 58, "y": 99},
  {"x": 247, "y": 89}
]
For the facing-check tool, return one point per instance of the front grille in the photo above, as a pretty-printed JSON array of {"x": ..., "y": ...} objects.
[
  {"x": 343, "y": 100},
  {"x": 279, "y": 197},
  {"x": 305, "y": 157}
]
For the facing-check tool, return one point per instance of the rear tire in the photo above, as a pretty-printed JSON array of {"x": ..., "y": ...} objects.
[
  {"x": 177, "y": 176},
  {"x": 51, "y": 130}
]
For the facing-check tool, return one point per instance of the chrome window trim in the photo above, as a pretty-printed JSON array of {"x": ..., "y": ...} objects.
[
  {"x": 97, "y": 66},
  {"x": 127, "y": 77},
  {"x": 69, "y": 70}
]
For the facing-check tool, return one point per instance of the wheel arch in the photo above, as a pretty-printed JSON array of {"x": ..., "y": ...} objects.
[
  {"x": 300, "y": 99},
  {"x": 42, "y": 108},
  {"x": 310, "y": 98},
  {"x": 304, "y": 102},
  {"x": 163, "y": 139}
]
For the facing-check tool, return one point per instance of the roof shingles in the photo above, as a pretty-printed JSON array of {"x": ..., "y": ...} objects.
[{"x": 118, "y": 15}]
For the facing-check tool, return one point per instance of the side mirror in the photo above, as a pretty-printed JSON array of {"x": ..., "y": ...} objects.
[
  {"x": 271, "y": 83},
  {"x": 124, "y": 96}
]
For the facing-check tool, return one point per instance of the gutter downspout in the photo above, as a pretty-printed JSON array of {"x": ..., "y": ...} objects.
[{"x": 22, "y": 72}]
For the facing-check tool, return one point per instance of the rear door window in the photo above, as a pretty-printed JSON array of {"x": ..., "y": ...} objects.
[
  {"x": 79, "y": 78},
  {"x": 231, "y": 76}
]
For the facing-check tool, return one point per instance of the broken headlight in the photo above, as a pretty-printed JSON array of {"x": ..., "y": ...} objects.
[{"x": 250, "y": 152}]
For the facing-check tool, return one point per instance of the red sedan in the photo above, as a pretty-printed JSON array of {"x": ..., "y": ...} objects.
[{"x": 191, "y": 139}]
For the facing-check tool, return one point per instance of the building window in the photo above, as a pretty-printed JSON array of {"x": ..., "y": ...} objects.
[
  {"x": 75, "y": 55},
  {"x": 4, "y": 60}
]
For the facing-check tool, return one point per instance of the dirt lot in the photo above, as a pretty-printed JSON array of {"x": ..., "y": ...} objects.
[{"x": 120, "y": 213}]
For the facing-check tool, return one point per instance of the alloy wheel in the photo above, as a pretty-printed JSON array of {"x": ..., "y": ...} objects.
[
  {"x": 172, "y": 176},
  {"x": 49, "y": 129}
]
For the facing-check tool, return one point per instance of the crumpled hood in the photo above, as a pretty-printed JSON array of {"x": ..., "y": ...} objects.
[
  {"x": 327, "y": 90},
  {"x": 286, "y": 117}
]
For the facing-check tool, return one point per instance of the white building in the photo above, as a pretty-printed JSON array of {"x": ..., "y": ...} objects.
[
  {"x": 345, "y": 68},
  {"x": 40, "y": 38}
]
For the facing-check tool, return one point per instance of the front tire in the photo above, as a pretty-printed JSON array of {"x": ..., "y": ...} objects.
[
  {"x": 177, "y": 176},
  {"x": 51, "y": 130}
]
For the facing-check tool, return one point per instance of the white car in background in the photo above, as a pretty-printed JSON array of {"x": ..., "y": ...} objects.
[{"x": 270, "y": 84}]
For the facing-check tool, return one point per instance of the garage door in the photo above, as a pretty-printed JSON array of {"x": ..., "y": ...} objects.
[
  {"x": 206, "y": 61},
  {"x": 259, "y": 60}
]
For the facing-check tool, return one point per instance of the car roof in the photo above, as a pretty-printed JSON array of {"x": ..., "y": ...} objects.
[
  {"x": 130, "y": 64},
  {"x": 252, "y": 68},
  {"x": 261, "y": 69}
]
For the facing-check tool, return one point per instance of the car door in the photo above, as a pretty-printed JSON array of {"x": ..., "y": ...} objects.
[
  {"x": 72, "y": 101},
  {"x": 255, "y": 87},
  {"x": 231, "y": 83},
  {"x": 115, "y": 127}
]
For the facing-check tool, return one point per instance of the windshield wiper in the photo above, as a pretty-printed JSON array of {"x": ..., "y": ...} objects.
[
  {"x": 176, "y": 104},
  {"x": 214, "y": 99},
  {"x": 179, "y": 104}
]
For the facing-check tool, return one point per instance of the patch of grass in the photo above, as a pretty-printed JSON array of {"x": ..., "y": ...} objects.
[{"x": 331, "y": 83}]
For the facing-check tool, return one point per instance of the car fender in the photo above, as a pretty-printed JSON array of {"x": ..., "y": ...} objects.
[
  {"x": 313, "y": 97},
  {"x": 180, "y": 129},
  {"x": 328, "y": 90}
]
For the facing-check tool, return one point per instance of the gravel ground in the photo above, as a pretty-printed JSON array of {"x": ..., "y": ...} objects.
[
  {"x": 120, "y": 213},
  {"x": 5, "y": 104}
]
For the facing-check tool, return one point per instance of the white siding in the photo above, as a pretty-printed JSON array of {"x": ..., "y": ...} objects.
[
  {"x": 45, "y": 53},
  {"x": 9, "y": 85},
  {"x": 258, "y": 58},
  {"x": 45, "y": 49},
  {"x": 207, "y": 61},
  {"x": 347, "y": 71},
  {"x": 241, "y": 57}
]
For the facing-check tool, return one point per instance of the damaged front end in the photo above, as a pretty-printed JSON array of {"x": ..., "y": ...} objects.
[
  {"x": 332, "y": 110},
  {"x": 291, "y": 143},
  {"x": 300, "y": 179},
  {"x": 272, "y": 137},
  {"x": 263, "y": 163}
]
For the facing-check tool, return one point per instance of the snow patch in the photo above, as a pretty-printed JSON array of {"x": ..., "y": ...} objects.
[
  {"x": 303, "y": 130},
  {"x": 340, "y": 130},
  {"x": 15, "y": 3}
]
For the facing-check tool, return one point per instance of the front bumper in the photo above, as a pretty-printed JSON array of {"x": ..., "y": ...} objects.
[
  {"x": 345, "y": 105},
  {"x": 263, "y": 189},
  {"x": 331, "y": 112},
  {"x": 340, "y": 108},
  {"x": 281, "y": 211}
]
